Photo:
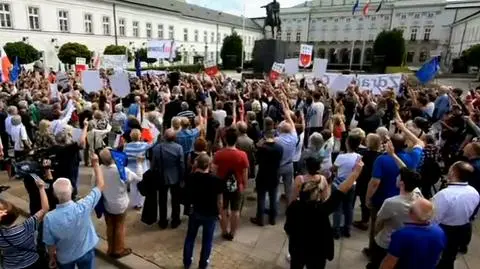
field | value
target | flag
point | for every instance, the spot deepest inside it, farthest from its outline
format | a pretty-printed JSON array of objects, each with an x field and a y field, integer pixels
[
  {"x": 428, "y": 70},
  {"x": 305, "y": 58},
  {"x": 355, "y": 6},
  {"x": 121, "y": 160},
  {"x": 138, "y": 68},
  {"x": 210, "y": 67},
  {"x": 15, "y": 71},
  {"x": 277, "y": 70},
  {"x": 365, "y": 8},
  {"x": 6, "y": 65},
  {"x": 379, "y": 6}
]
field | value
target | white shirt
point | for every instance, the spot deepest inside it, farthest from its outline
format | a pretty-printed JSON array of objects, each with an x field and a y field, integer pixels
[
  {"x": 429, "y": 108},
  {"x": 455, "y": 204},
  {"x": 298, "y": 150},
  {"x": 220, "y": 116},
  {"x": 18, "y": 133},
  {"x": 345, "y": 163},
  {"x": 327, "y": 160},
  {"x": 115, "y": 193},
  {"x": 315, "y": 115}
]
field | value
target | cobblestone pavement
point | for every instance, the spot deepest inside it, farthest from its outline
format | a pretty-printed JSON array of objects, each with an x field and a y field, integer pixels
[{"x": 253, "y": 248}]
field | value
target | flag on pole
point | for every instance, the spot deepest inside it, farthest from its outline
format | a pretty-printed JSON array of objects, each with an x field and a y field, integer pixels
[
  {"x": 366, "y": 8},
  {"x": 379, "y": 6},
  {"x": 305, "y": 57},
  {"x": 6, "y": 65},
  {"x": 277, "y": 70},
  {"x": 428, "y": 70},
  {"x": 15, "y": 71},
  {"x": 355, "y": 6},
  {"x": 210, "y": 67},
  {"x": 138, "y": 68},
  {"x": 121, "y": 160}
]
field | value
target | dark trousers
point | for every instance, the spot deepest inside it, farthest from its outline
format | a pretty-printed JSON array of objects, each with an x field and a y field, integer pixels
[
  {"x": 300, "y": 261},
  {"x": 377, "y": 254},
  {"x": 468, "y": 236},
  {"x": 371, "y": 233},
  {"x": 362, "y": 193},
  {"x": 208, "y": 230},
  {"x": 272, "y": 197},
  {"x": 455, "y": 237},
  {"x": 162, "y": 202},
  {"x": 346, "y": 209}
]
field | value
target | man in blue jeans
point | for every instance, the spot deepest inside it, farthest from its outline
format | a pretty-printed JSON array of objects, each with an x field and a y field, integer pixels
[{"x": 205, "y": 194}]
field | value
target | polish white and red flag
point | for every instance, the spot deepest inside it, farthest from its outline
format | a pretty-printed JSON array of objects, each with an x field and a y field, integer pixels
[
  {"x": 305, "y": 58},
  {"x": 277, "y": 71},
  {"x": 366, "y": 8},
  {"x": 210, "y": 67}
]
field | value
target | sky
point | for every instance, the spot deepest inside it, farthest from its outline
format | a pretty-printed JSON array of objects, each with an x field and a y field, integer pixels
[{"x": 252, "y": 7}]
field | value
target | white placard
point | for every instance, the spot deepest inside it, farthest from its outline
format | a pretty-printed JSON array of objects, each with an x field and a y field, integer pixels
[
  {"x": 340, "y": 83},
  {"x": 114, "y": 61},
  {"x": 291, "y": 66},
  {"x": 160, "y": 49},
  {"x": 62, "y": 79},
  {"x": 91, "y": 81},
  {"x": 76, "y": 134},
  {"x": 319, "y": 67},
  {"x": 380, "y": 82},
  {"x": 278, "y": 67},
  {"x": 120, "y": 84},
  {"x": 80, "y": 60},
  {"x": 209, "y": 63},
  {"x": 54, "y": 91}
]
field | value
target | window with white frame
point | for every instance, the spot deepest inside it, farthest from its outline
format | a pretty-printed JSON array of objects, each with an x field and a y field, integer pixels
[
  {"x": 106, "y": 25},
  {"x": 212, "y": 55},
  {"x": 63, "y": 21},
  {"x": 212, "y": 37},
  {"x": 121, "y": 27},
  {"x": 195, "y": 36},
  {"x": 135, "y": 29},
  {"x": 205, "y": 36},
  {"x": 426, "y": 34},
  {"x": 185, "y": 34},
  {"x": 298, "y": 37},
  {"x": 5, "y": 17},
  {"x": 218, "y": 38},
  {"x": 34, "y": 18},
  {"x": 417, "y": 16},
  {"x": 403, "y": 16},
  {"x": 289, "y": 36},
  {"x": 171, "y": 32},
  {"x": 160, "y": 31},
  {"x": 87, "y": 18},
  {"x": 148, "y": 29},
  {"x": 413, "y": 34}
]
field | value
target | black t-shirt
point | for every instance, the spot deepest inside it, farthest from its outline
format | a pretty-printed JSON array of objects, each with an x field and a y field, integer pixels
[
  {"x": 269, "y": 156},
  {"x": 67, "y": 160},
  {"x": 203, "y": 190}
]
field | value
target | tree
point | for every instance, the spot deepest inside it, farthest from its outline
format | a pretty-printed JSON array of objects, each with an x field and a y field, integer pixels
[
  {"x": 391, "y": 46},
  {"x": 25, "y": 52},
  {"x": 117, "y": 50},
  {"x": 70, "y": 51},
  {"x": 142, "y": 54},
  {"x": 231, "y": 52},
  {"x": 472, "y": 55}
]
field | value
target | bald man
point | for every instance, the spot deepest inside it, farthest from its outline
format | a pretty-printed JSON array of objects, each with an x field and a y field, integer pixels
[{"x": 419, "y": 244}]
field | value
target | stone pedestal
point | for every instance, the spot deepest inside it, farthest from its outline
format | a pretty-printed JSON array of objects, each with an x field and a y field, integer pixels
[{"x": 266, "y": 52}]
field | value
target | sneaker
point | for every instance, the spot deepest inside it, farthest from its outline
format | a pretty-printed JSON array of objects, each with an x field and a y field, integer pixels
[
  {"x": 288, "y": 257},
  {"x": 360, "y": 225},
  {"x": 346, "y": 233},
  {"x": 256, "y": 221},
  {"x": 336, "y": 235}
]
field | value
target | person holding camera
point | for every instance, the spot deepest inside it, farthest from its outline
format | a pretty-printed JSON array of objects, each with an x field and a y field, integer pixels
[{"x": 17, "y": 241}]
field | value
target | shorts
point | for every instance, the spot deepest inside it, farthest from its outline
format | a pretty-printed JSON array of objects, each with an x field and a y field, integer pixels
[{"x": 232, "y": 200}]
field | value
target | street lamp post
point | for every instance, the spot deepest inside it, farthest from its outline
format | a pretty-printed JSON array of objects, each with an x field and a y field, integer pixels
[{"x": 206, "y": 52}]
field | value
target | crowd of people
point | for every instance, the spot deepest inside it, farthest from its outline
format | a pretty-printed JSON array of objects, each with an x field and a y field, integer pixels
[{"x": 409, "y": 154}]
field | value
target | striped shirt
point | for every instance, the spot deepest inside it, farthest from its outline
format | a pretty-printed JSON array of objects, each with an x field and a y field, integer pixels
[
  {"x": 133, "y": 150},
  {"x": 186, "y": 113},
  {"x": 17, "y": 244}
]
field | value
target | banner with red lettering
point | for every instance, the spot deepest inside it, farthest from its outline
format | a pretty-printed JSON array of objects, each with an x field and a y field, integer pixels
[
  {"x": 210, "y": 67},
  {"x": 305, "y": 58},
  {"x": 277, "y": 70}
]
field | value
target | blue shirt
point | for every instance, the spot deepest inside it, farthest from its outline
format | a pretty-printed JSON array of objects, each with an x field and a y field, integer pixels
[
  {"x": 288, "y": 142},
  {"x": 417, "y": 246},
  {"x": 69, "y": 227},
  {"x": 442, "y": 106},
  {"x": 186, "y": 139},
  {"x": 386, "y": 170}
]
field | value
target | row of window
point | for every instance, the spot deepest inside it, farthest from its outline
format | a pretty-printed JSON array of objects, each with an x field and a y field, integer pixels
[
  {"x": 64, "y": 26},
  {"x": 403, "y": 16},
  {"x": 427, "y": 31}
]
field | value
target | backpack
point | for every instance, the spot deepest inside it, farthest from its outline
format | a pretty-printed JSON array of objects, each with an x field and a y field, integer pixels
[{"x": 230, "y": 182}]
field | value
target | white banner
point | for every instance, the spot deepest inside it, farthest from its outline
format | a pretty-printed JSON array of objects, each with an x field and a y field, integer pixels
[
  {"x": 379, "y": 82},
  {"x": 114, "y": 61},
  {"x": 160, "y": 49},
  {"x": 319, "y": 67},
  {"x": 80, "y": 60}
]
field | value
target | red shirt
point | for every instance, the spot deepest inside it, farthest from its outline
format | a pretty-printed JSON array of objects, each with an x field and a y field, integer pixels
[{"x": 231, "y": 160}]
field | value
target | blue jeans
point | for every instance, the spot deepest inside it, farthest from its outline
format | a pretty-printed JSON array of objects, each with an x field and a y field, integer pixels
[
  {"x": 285, "y": 172},
  {"x": 87, "y": 261},
  {"x": 272, "y": 196},
  {"x": 208, "y": 224},
  {"x": 346, "y": 209}
]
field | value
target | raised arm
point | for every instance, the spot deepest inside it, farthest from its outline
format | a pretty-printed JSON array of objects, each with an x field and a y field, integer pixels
[
  {"x": 99, "y": 182},
  {"x": 409, "y": 135},
  {"x": 83, "y": 136},
  {"x": 391, "y": 151}
]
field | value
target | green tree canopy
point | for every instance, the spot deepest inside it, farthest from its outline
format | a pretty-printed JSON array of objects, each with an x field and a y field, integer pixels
[
  {"x": 70, "y": 51},
  {"x": 25, "y": 52},
  {"x": 231, "y": 52},
  {"x": 117, "y": 50},
  {"x": 472, "y": 55},
  {"x": 390, "y": 45},
  {"x": 142, "y": 53}
]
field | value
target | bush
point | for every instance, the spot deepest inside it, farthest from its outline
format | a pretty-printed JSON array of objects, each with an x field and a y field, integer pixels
[
  {"x": 142, "y": 54},
  {"x": 231, "y": 52},
  {"x": 192, "y": 68},
  {"x": 118, "y": 50},
  {"x": 70, "y": 51},
  {"x": 25, "y": 52},
  {"x": 472, "y": 55},
  {"x": 390, "y": 45}
]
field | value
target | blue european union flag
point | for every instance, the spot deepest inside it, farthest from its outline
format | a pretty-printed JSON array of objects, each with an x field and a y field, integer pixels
[
  {"x": 121, "y": 161},
  {"x": 355, "y": 6},
  {"x": 15, "y": 72},
  {"x": 138, "y": 68},
  {"x": 428, "y": 70}
]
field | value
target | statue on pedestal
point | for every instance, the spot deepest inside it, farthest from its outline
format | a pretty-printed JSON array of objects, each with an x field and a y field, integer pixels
[{"x": 273, "y": 18}]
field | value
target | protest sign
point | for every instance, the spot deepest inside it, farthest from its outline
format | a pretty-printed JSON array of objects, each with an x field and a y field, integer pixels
[
  {"x": 120, "y": 84},
  {"x": 54, "y": 91},
  {"x": 160, "y": 49},
  {"x": 379, "y": 82},
  {"x": 80, "y": 60},
  {"x": 91, "y": 81},
  {"x": 305, "y": 57},
  {"x": 210, "y": 67},
  {"x": 319, "y": 67},
  {"x": 80, "y": 68},
  {"x": 291, "y": 66},
  {"x": 277, "y": 70},
  {"x": 340, "y": 83},
  {"x": 62, "y": 79},
  {"x": 114, "y": 61}
]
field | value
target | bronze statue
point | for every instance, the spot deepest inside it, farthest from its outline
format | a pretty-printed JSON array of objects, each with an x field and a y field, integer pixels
[{"x": 273, "y": 17}]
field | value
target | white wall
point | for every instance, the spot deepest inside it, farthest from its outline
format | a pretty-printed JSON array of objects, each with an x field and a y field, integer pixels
[{"x": 465, "y": 35}]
